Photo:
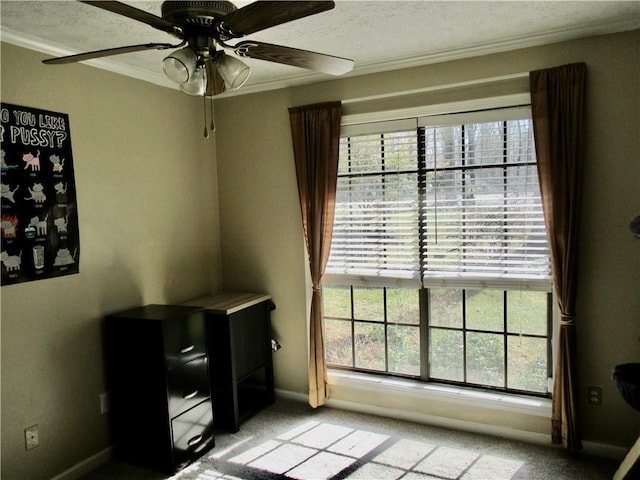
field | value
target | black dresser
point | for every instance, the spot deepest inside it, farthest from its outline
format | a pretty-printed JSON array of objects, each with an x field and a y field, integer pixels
[{"x": 157, "y": 372}]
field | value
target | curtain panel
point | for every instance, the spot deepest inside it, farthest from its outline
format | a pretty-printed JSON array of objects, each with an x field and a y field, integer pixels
[
  {"x": 557, "y": 105},
  {"x": 315, "y": 131}
]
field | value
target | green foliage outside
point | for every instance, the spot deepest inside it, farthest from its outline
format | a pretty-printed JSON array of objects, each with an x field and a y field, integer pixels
[{"x": 526, "y": 366}]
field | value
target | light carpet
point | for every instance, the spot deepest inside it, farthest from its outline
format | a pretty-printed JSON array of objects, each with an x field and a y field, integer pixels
[{"x": 290, "y": 440}]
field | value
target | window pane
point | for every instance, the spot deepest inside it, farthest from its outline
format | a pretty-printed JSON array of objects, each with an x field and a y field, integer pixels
[
  {"x": 369, "y": 346},
  {"x": 485, "y": 310},
  {"x": 360, "y": 154},
  {"x": 338, "y": 342},
  {"x": 376, "y": 220},
  {"x": 403, "y": 306},
  {"x": 336, "y": 301},
  {"x": 483, "y": 214},
  {"x": 527, "y": 312},
  {"x": 446, "y": 354},
  {"x": 400, "y": 151},
  {"x": 443, "y": 146},
  {"x": 482, "y": 196},
  {"x": 445, "y": 307},
  {"x": 483, "y": 143},
  {"x": 485, "y": 359},
  {"x": 363, "y": 153},
  {"x": 404, "y": 349},
  {"x": 368, "y": 303},
  {"x": 527, "y": 364},
  {"x": 376, "y": 226},
  {"x": 528, "y": 247},
  {"x": 520, "y": 143}
]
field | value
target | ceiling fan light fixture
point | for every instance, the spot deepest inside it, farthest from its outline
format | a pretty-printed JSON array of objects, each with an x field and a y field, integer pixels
[
  {"x": 199, "y": 69},
  {"x": 197, "y": 84},
  {"x": 234, "y": 72},
  {"x": 180, "y": 66}
]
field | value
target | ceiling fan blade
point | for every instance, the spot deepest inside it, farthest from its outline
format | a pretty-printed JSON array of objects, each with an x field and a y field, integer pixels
[
  {"x": 108, "y": 52},
  {"x": 265, "y": 14},
  {"x": 295, "y": 57},
  {"x": 137, "y": 14}
]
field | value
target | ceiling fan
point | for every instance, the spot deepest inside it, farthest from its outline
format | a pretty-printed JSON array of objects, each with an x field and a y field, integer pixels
[{"x": 198, "y": 66}]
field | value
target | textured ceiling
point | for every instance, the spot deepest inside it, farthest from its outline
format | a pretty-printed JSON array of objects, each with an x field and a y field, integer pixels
[{"x": 378, "y": 35}]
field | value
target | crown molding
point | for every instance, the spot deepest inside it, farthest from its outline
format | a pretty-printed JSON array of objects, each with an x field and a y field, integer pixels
[
  {"x": 505, "y": 45},
  {"x": 514, "y": 43},
  {"x": 56, "y": 50}
]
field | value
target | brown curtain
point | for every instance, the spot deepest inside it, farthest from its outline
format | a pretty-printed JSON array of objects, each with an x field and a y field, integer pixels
[
  {"x": 315, "y": 130},
  {"x": 557, "y": 103}
]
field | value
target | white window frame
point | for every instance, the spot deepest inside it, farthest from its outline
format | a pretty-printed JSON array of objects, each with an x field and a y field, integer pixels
[{"x": 422, "y": 116}]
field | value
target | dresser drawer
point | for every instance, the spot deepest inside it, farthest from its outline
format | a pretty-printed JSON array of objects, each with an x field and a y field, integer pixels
[
  {"x": 188, "y": 385},
  {"x": 192, "y": 433},
  {"x": 184, "y": 339}
]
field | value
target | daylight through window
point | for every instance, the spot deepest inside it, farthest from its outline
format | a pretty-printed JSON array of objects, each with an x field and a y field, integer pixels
[{"x": 439, "y": 267}]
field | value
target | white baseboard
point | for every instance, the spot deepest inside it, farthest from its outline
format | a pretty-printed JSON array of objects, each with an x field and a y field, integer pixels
[
  {"x": 86, "y": 466},
  {"x": 590, "y": 448}
]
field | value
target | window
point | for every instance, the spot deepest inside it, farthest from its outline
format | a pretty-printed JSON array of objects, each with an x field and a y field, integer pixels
[{"x": 439, "y": 267}]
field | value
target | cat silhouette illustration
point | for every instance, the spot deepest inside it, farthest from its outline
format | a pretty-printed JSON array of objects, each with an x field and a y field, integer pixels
[
  {"x": 11, "y": 262},
  {"x": 37, "y": 193},
  {"x": 31, "y": 161},
  {"x": 58, "y": 164}
]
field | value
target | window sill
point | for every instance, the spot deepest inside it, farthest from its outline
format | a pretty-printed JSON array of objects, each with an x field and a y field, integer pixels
[{"x": 521, "y": 404}]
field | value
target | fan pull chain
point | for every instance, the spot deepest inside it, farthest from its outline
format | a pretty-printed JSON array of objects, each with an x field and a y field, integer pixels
[
  {"x": 204, "y": 105},
  {"x": 212, "y": 127}
]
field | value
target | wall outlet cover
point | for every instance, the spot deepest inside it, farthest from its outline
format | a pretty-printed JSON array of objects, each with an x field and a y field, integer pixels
[
  {"x": 594, "y": 395},
  {"x": 31, "y": 438}
]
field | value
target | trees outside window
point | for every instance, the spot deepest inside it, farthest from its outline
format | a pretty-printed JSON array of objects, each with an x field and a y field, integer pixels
[{"x": 439, "y": 268}]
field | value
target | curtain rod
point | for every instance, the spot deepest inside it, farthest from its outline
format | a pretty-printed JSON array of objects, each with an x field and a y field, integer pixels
[{"x": 435, "y": 88}]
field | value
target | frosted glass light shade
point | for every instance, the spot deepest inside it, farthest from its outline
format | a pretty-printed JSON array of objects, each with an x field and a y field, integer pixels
[
  {"x": 197, "y": 85},
  {"x": 180, "y": 65},
  {"x": 233, "y": 71}
]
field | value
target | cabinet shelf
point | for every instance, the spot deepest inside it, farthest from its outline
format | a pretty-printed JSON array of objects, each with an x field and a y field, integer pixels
[{"x": 241, "y": 369}]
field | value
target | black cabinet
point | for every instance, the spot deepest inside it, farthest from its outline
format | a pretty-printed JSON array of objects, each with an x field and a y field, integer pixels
[
  {"x": 241, "y": 368},
  {"x": 157, "y": 371}
]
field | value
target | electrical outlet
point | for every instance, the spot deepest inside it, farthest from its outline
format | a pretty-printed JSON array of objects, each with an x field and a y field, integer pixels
[
  {"x": 594, "y": 395},
  {"x": 31, "y": 439},
  {"x": 104, "y": 403}
]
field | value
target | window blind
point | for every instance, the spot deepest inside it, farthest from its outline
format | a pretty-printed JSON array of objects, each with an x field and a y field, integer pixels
[
  {"x": 376, "y": 227},
  {"x": 482, "y": 211},
  {"x": 451, "y": 199}
]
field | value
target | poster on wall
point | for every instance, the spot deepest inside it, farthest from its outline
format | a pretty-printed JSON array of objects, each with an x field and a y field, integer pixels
[{"x": 39, "y": 223}]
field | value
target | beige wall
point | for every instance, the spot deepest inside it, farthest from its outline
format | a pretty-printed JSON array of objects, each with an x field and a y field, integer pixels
[
  {"x": 147, "y": 206},
  {"x": 262, "y": 238}
]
